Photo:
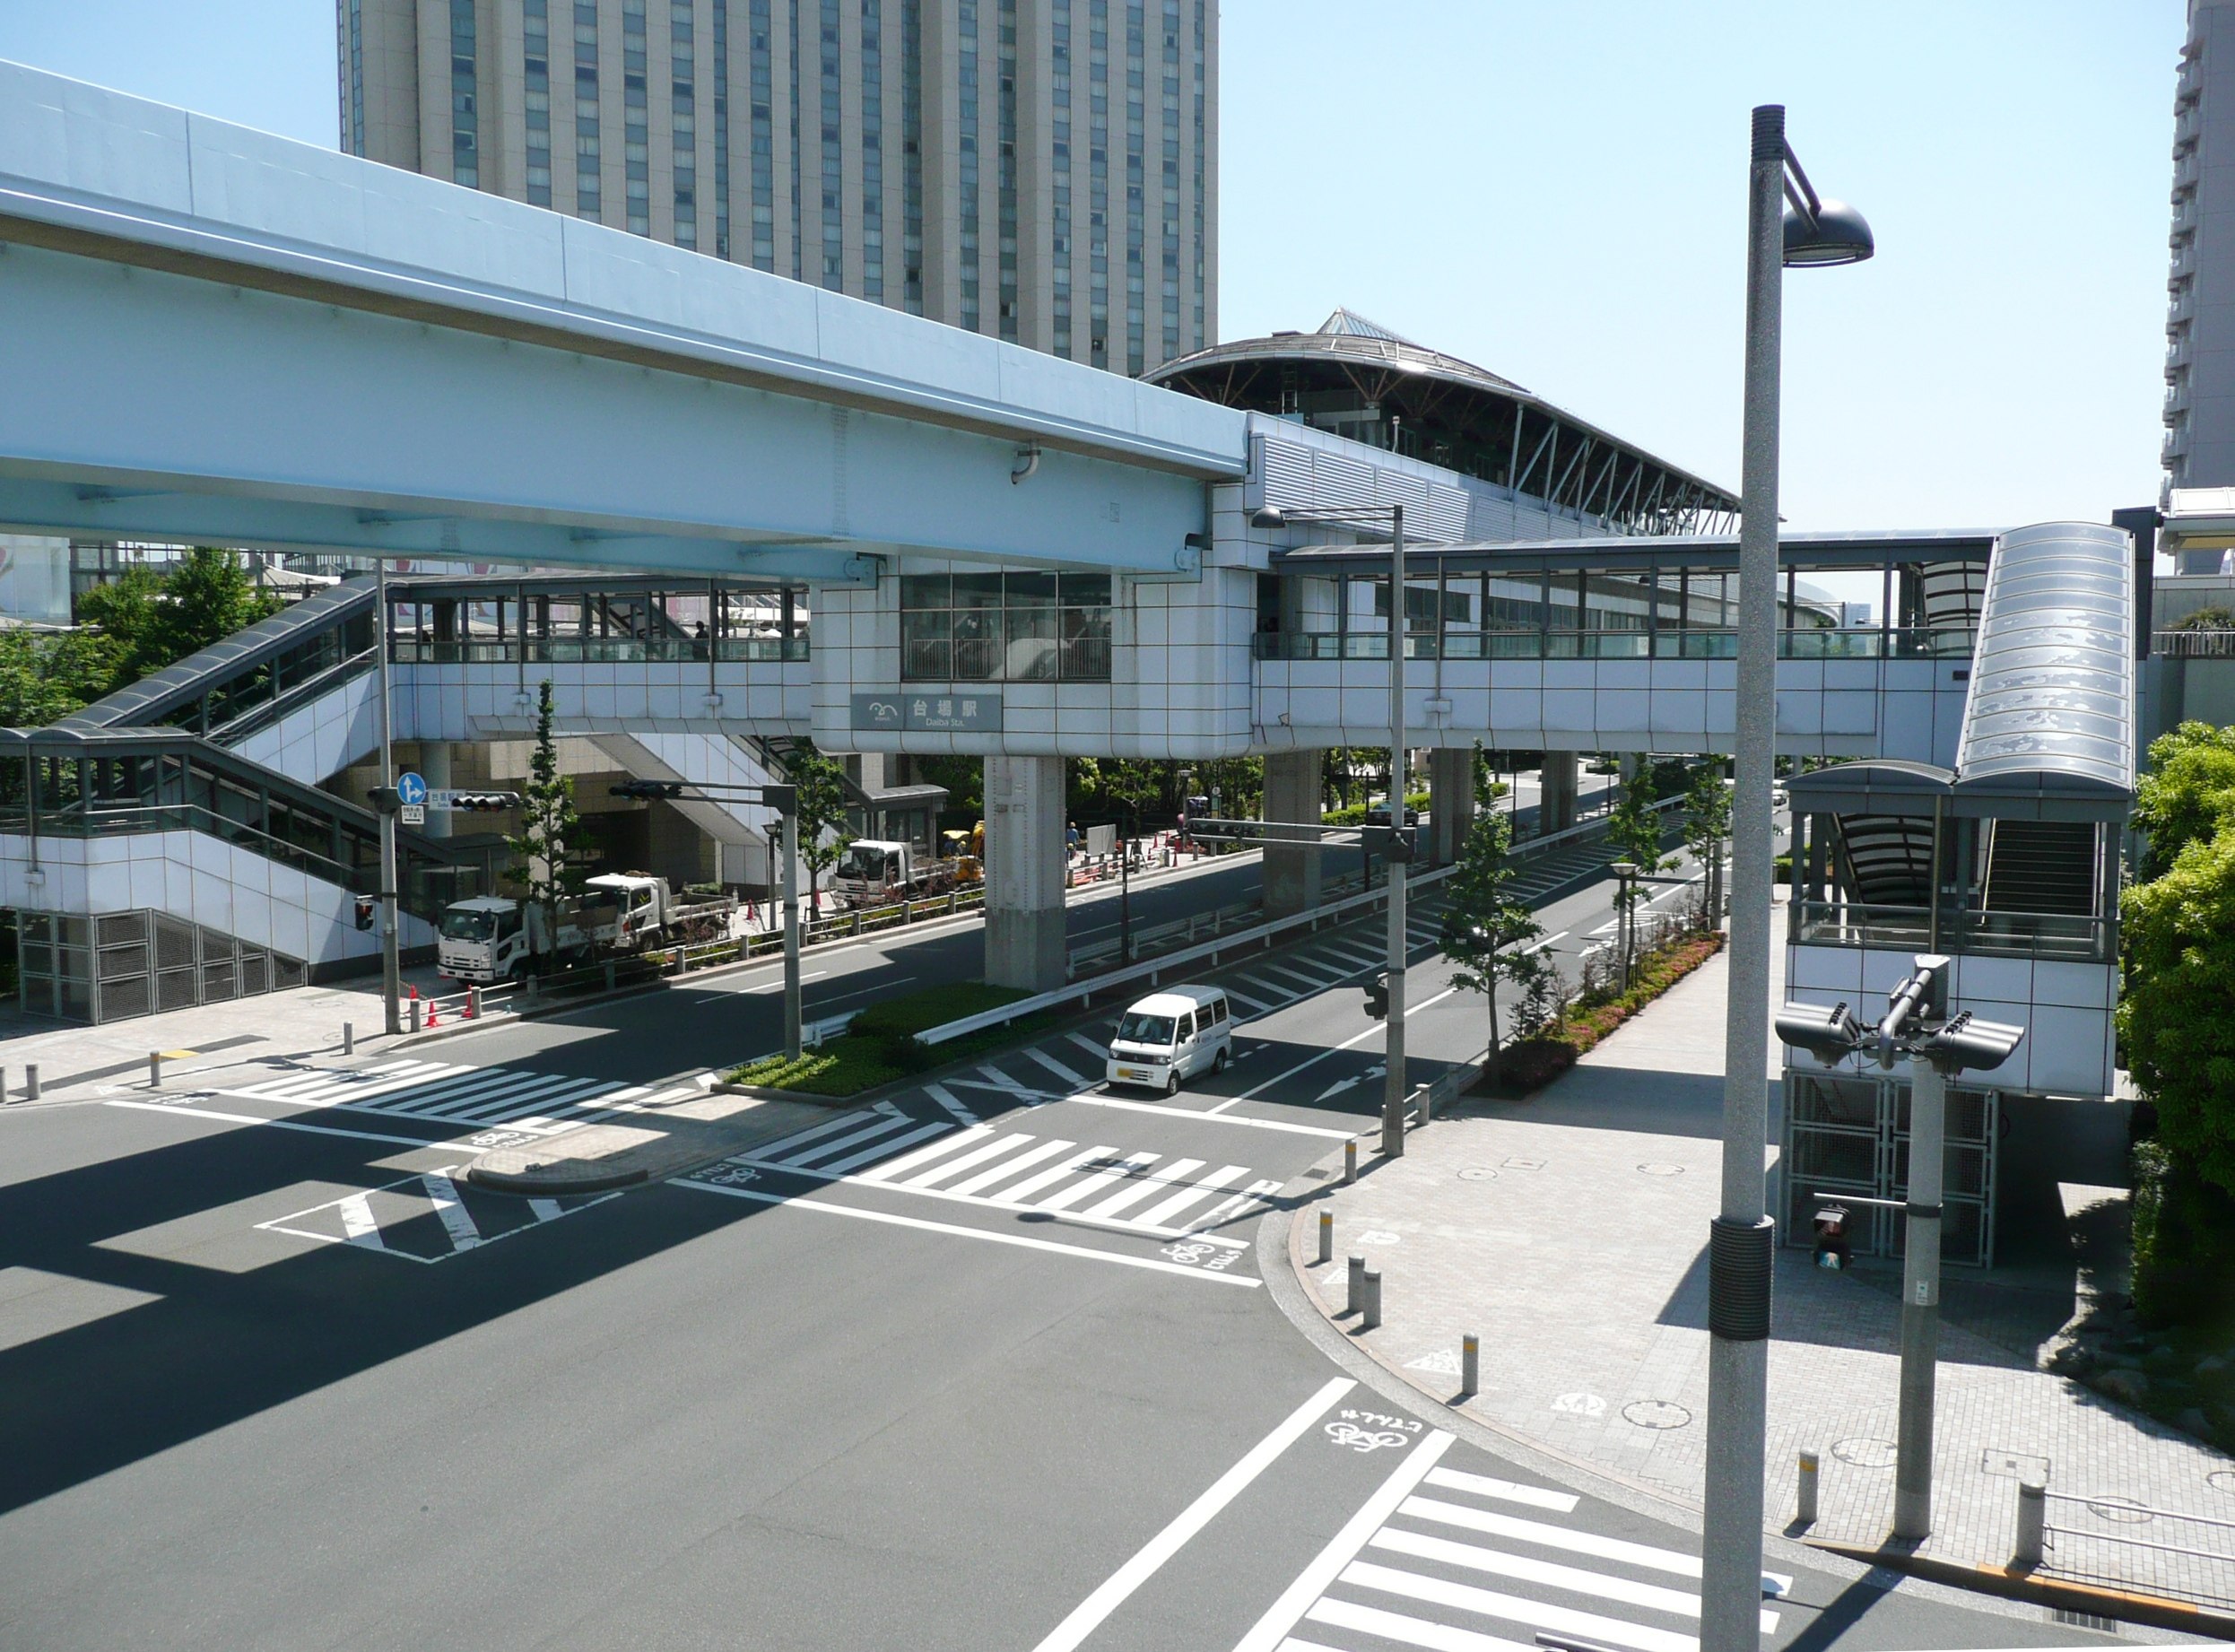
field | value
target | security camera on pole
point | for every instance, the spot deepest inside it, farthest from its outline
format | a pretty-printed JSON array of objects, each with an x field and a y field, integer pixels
[{"x": 1917, "y": 1027}]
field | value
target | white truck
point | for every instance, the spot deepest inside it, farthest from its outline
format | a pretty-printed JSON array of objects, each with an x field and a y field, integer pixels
[
  {"x": 875, "y": 872},
  {"x": 494, "y": 938}
]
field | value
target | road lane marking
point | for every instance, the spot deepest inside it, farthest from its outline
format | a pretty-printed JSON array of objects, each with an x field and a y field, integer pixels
[
  {"x": 877, "y": 1150},
  {"x": 1505, "y": 1491},
  {"x": 357, "y": 1223},
  {"x": 1075, "y": 1080},
  {"x": 1313, "y": 1581},
  {"x": 961, "y": 1162},
  {"x": 1513, "y": 1608},
  {"x": 920, "y": 1223},
  {"x": 1091, "y": 1613},
  {"x": 1101, "y": 1052},
  {"x": 457, "y": 1220},
  {"x": 1160, "y": 1215},
  {"x": 1124, "y": 1169},
  {"x": 946, "y": 1098},
  {"x": 1143, "y": 1188},
  {"x": 1008, "y": 1168},
  {"x": 288, "y": 1124}
]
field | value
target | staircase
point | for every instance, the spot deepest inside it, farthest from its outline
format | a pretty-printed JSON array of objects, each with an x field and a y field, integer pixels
[{"x": 2041, "y": 866}]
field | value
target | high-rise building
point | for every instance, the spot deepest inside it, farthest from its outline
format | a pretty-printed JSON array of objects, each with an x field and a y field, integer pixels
[
  {"x": 1039, "y": 170},
  {"x": 2200, "y": 319}
]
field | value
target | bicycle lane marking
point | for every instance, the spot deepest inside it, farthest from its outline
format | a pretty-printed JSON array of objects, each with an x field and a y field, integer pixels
[{"x": 1091, "y": 1613}]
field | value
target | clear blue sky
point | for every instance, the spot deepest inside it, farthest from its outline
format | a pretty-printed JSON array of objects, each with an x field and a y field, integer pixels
[{"x": 1558, "y": 192}]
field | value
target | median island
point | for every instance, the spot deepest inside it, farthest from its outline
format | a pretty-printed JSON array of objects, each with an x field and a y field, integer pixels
[{"x": 879, "y": 1045}]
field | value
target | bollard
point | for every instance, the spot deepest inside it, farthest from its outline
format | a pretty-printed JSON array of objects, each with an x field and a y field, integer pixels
[
  {"x": 1326, "y": 1235},
  {"x": 30, "y": 1081},
  {"x": 1371, "y": 1320},
  {"x": 2032, "y": 1525},
  {"x": 609, "y": 975},
  {"x": 414, "y": 1011},
  {"x": 1425, "y": 1099},
  {"x": 1357, "y": 1285},
  {"x": 349, "y": 1038},
  {"x": 1805, "y": 1512},
  {"x": 155, "y": 1069},
  {"x": 1470, "y": 1363},
  {"x": 1350, "y": 1163},
  {"x": 473, "y": 1004}
]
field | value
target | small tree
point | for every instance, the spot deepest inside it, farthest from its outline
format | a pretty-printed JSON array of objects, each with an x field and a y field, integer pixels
[
  {"x": 1485, "y": 928},
  {"x": 1633, "y": 826},
  {"x": 2189, "y": 793},
  {"x": 823, "y": 834},
  {"x": 1707, "y": 828},
  {"x": 2179, "y": 1040},
  {"x": 546, "y": 854}
]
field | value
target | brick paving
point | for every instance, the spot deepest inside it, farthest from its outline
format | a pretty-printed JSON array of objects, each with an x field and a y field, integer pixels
[{"x": 1568, "y": 1233}]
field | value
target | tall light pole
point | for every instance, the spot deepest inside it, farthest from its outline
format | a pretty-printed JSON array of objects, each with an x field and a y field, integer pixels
[
  {"x": 1740, "y": 1240},
  {"x": 1393, "y": 1085},
  {"x": 391, "y": 963}
]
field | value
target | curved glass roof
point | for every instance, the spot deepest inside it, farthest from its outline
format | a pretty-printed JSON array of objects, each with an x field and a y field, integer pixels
[{"x": 2051, "y": 706}]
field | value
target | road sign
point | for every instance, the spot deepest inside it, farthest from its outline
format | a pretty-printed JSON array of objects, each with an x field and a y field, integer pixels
[
  {"x": 411, "y": 789},
  {"x": 413, "y": 814}
]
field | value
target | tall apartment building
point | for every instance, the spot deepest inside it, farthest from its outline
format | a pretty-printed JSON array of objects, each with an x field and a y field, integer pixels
[
  {"x": 2200, "y": 319},
  {"x": 1039, "y": 170}
]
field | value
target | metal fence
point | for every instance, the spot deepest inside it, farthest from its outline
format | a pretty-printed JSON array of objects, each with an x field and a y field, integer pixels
[
  {"x": 1850, "y": 1133},
  {"x": 121, "y": 964}
]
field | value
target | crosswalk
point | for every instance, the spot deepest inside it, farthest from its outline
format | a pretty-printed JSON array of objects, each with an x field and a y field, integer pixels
[
  {"x": 533, "y": 1104},
  {"x": 430, "y": 1217},
  {"x": 1443, "y": 1559},
  {"x": 1095, "y": 1184}
]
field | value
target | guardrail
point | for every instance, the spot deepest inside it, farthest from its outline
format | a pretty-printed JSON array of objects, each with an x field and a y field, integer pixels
[
  {"x": 1150, "y": 968},
  {"x": 2036, "y": 1550}
]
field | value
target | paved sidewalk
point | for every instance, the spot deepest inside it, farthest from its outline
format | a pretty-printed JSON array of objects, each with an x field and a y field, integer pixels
[{"x": 1568, "y": 1233}]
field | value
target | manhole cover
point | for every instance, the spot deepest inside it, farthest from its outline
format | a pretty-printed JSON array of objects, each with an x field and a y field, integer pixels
[
  {"x": 2221, "y": 1480},
  {"x": 1478, "y": 1173},
  {"x": 1657, "y": 1414},
  {"x": 1864, "y": 1452},
  {"x": 1660, "y": 1169},
  {"x": 2121, "y": 1510},
  {"x": 1525, "y": 1164}
]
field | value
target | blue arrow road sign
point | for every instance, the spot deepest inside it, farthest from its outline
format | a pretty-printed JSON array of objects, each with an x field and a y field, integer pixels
[{"x": 410, "y": 790}]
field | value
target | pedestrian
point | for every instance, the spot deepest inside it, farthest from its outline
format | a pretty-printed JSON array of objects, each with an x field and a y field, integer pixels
[{"x": 1071, "y": 838}]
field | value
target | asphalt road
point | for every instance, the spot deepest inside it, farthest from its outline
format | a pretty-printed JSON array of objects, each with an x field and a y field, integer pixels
[{"x": 274, "y": 1380}]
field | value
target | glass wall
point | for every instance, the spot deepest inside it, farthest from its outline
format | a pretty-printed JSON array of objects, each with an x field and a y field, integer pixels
[{"x": 1005, "y": 628}]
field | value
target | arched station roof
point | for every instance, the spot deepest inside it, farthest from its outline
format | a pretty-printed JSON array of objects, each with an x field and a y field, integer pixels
[{"x": 1360, "y": 379}]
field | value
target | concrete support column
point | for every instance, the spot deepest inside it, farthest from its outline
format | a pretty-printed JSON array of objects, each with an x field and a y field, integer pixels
[
  {"x": 1556, "y": 809},
  {"x": 1024, "y": 867},
  {"x": 1450, "y": 802},
  {"x": 1292, "y": 793},
  {"x": 434, "y": 759}
]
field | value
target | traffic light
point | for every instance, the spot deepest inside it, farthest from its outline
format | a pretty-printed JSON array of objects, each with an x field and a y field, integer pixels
[
  {"x": 783, "y": 799},
  {"x": 365, "y": 908},
  {"x": 483, "y": 803},
  {"x": 383, "y": 799},
  {"x": 649, "y": 791},
  {"x": 1833, "y": 1252},
  {"x": 1378, "y": 996}
]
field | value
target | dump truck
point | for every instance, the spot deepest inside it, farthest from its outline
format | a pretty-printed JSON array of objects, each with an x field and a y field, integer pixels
[
  {"x": 494, "y": 938},
  {"x": 875, "y": 872}
]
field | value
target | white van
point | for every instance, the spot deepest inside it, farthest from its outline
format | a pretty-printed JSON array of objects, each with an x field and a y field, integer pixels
[{"x": 1170, "y": 1036}]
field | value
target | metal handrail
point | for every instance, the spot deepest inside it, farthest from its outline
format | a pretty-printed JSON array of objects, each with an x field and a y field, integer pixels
[{"x": 1082, "y": 992}]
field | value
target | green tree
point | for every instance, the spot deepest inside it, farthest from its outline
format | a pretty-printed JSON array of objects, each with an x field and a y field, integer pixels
[
  {"x": 546, "y": 855},
  {"x": 2173, "y": 1021},
  {"x": 2189, "y": 793},
  {"x": 1707, "y": 829},
  {"x": 2212, "y": 619},
  {"x": 1485, "y": 930},
  {"x": 156, "y": 621},
  {"x": 1633, "y": 826},
  {"x": 45, "y": 676},
  {"x": 820, "y": 784}
]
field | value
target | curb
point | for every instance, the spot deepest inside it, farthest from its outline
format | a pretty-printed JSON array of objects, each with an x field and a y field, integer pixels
[
  {"x": 2004, "y": 1582},
  {"x": 546, "y": 1188},
  {"x": 2011, "y": 1583}
]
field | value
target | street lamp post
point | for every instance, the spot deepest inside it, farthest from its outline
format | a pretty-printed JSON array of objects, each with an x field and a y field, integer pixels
[
  {"x": 1817, "y": 231},
  {"x": 391, "y": 956},
  {"x": 1393, "y": 1085}
]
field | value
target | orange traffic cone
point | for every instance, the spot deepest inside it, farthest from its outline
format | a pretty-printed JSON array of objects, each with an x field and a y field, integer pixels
[{"x": 434, "y": 1016}]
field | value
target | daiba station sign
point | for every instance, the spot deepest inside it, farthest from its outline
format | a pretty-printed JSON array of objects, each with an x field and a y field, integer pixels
[{"x": 930, "y": 714}]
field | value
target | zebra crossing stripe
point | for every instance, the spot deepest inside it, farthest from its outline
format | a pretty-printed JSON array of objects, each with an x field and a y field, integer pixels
[
  {"x": 1255, "y": 1006},
  {"x": 1514, "y": 1608},
  {"x": 329, "y": 1089},
  {"x": 1522, "y": 1569},
  {"x": 1049, "y": 1177},
  {"x": 1311, "y": 982},
  {"x": 1147, "y": 1186},
  {"x": 514, "y": 1105},
  {"x": 1492, "y": 1524},
  {"x": 1160, "y": 1215},
  {"x": 1126, "y": 1167},
  {"x": 1253, "y": 1194},
  {"x": 845, "y": 1143},
  {"x": 464, "y": 1085},
  {"x": 1506, "y": 1491},
  {"x": 999, "y": 1080},
  {"x": 358, "y": 1225},
  {"x": 987, "y": 1178},
  {"x": 775, "y": 1150},
  {"x": 1101, "y": 1052},
  {"x": 947, "y": 1098},
  {"x": 1059, "y": 1069},
  {"x": 1410, "y": 1631},
  {"x": 938, "y": 1127},
  {"x": 902, "y": 1167},
  {"x": 962, "y": 1162}
]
